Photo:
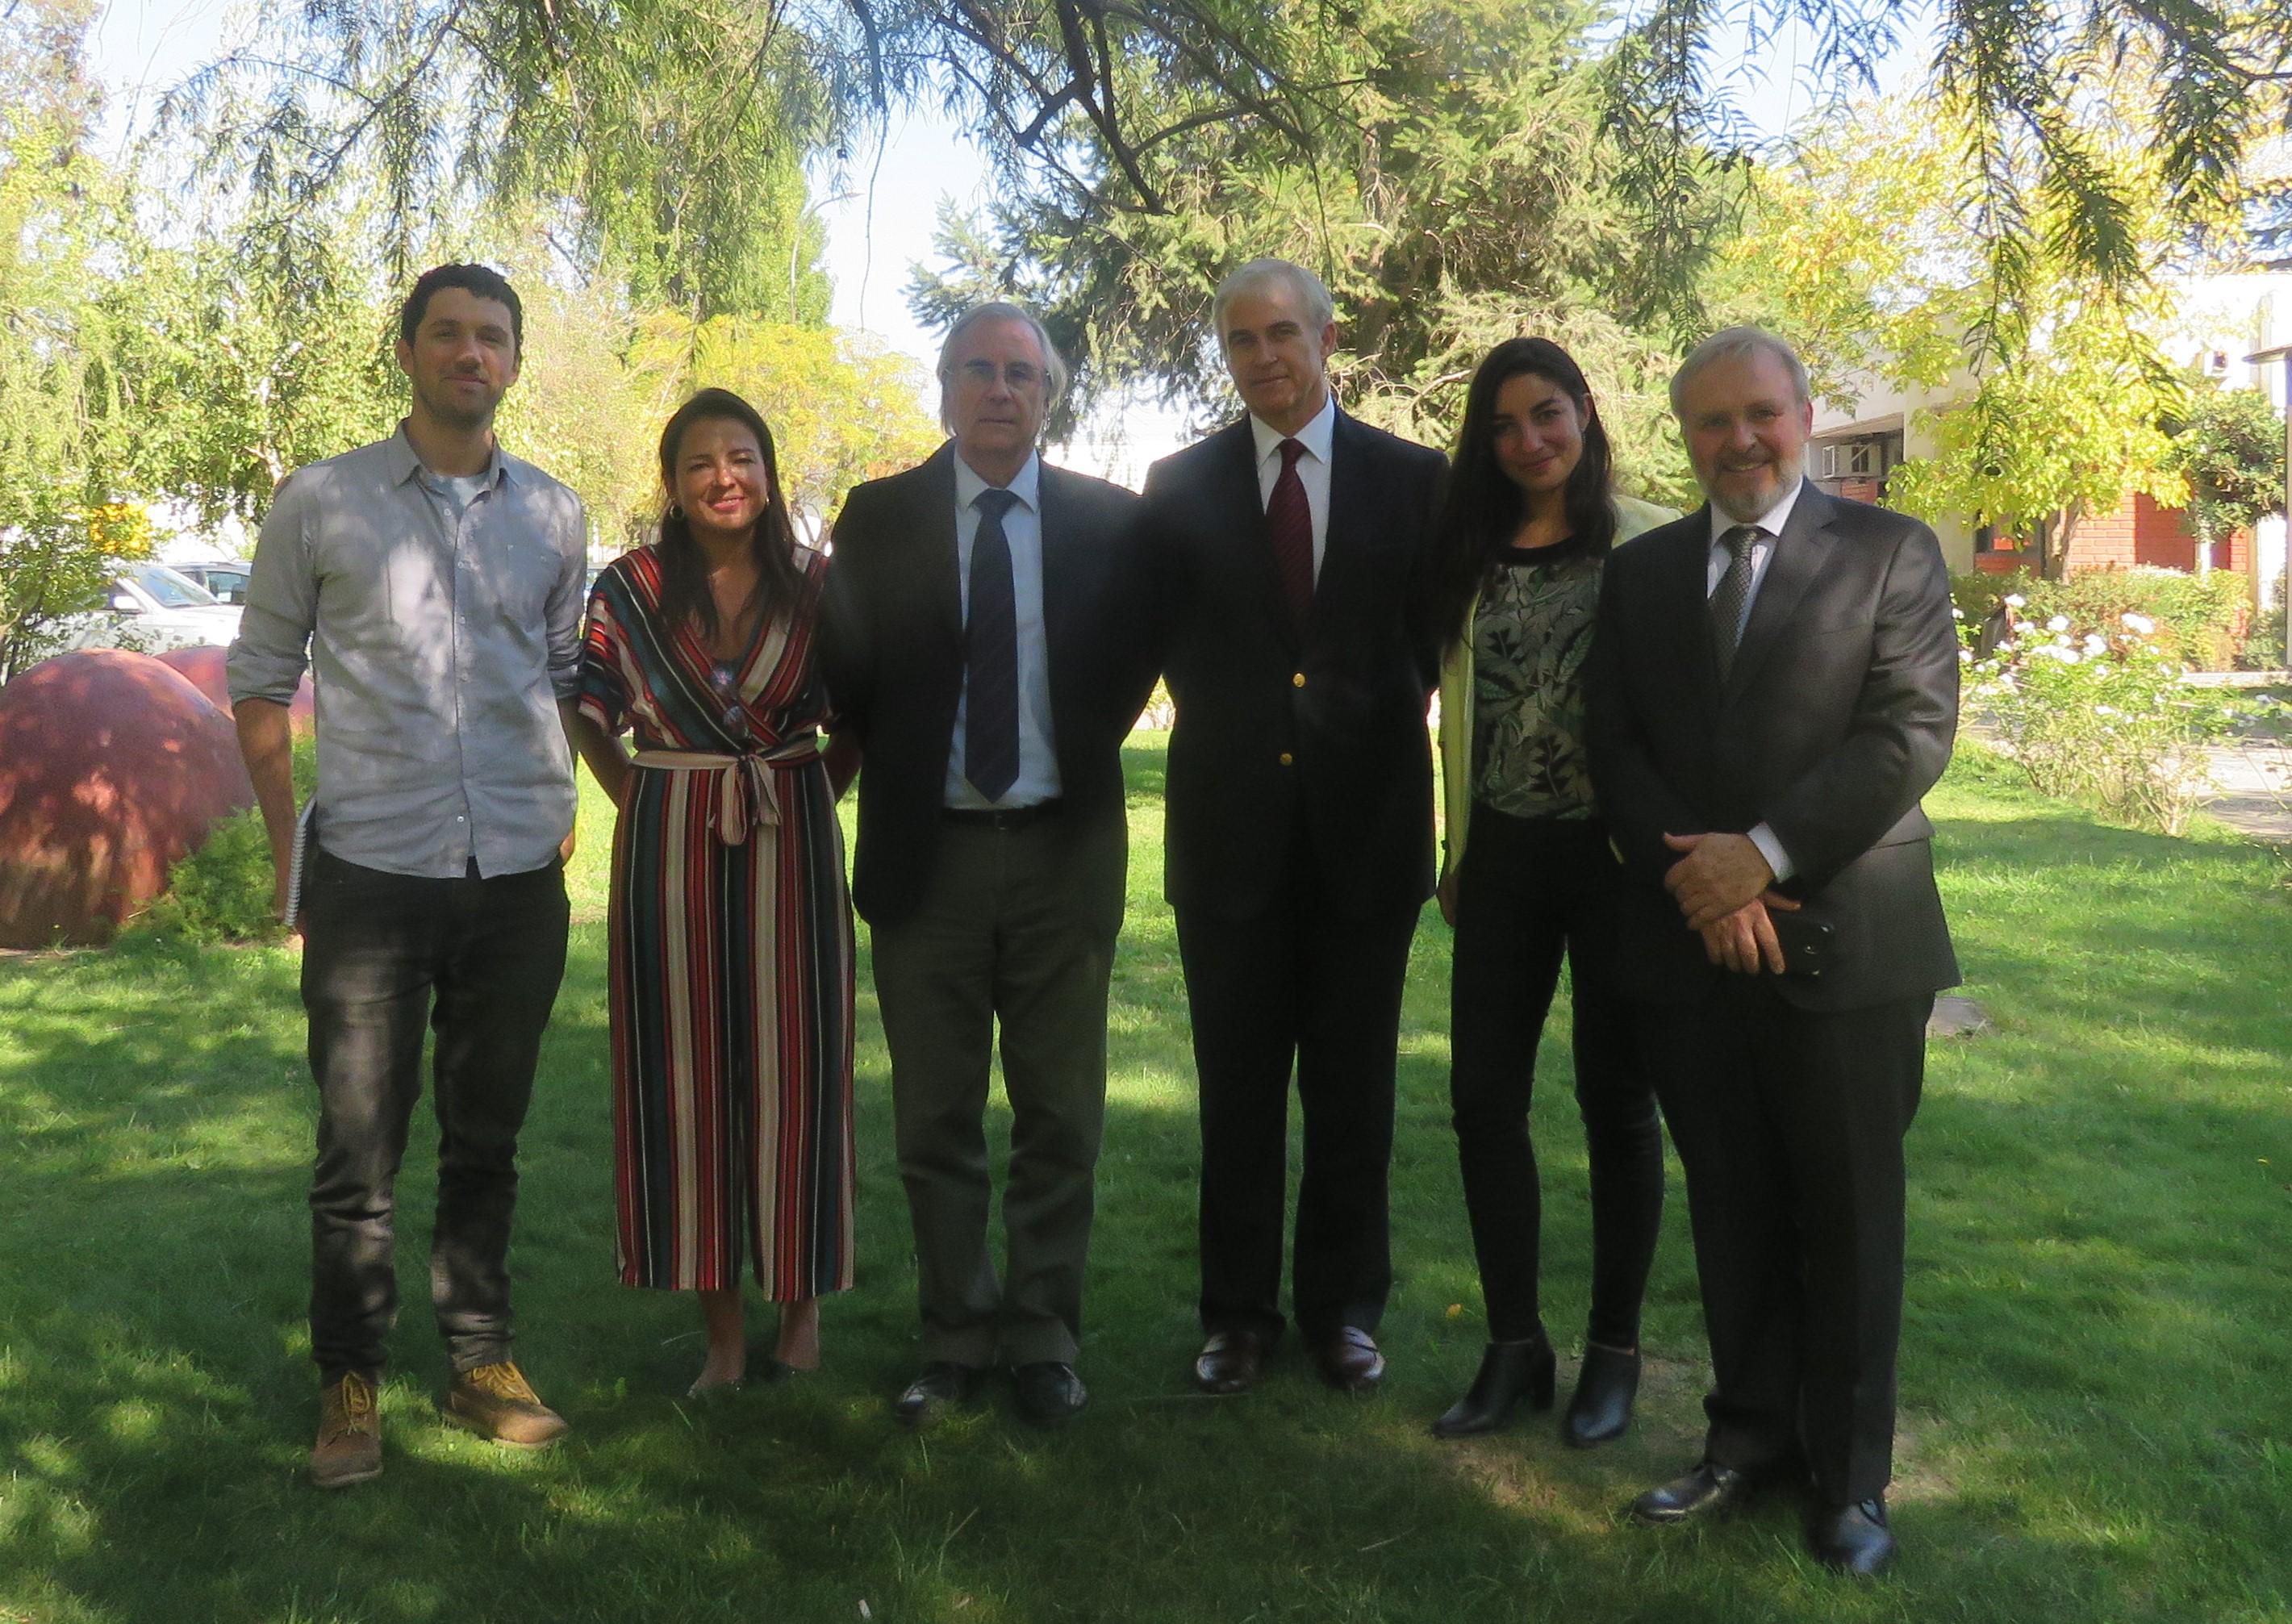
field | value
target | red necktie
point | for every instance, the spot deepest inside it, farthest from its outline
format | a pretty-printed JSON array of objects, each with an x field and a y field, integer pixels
[{"x": 1291, "y": 520}]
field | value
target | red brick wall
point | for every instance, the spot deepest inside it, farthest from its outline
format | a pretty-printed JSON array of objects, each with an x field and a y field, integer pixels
[
  {"x": 2141, "y": 532},
  {"x": 2105, "y": 541}
]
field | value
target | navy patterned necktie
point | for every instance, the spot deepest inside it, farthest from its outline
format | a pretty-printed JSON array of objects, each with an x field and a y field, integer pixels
[
  {"x": 1733, "y": 591},
  {"x": 990, "y": 655},
  {"x": 1290, "y": 518}
]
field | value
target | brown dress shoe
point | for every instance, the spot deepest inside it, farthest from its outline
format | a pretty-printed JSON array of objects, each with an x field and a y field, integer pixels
[
  {"x": 349, "y": 1450},
  {"x": 1231, "y": 1361},
  {"x": 1350, "y": 1359},
  {"x": 496, "y": 1402}
]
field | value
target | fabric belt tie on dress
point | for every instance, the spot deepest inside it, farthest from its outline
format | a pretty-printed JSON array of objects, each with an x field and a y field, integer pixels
[{"x": 745, "y": 794}]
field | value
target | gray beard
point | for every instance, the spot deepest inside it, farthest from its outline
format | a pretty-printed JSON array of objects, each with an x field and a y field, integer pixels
[{"x": 1788, "y": 477}]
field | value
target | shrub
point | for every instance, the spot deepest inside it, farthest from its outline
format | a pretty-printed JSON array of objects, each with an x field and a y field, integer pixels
[
  {"x": 2104, "y": 718},
  {"x": 222, "y": 892},
  {"x": 2199, "y": 619},
  {"x": 2264, "y": 646}
]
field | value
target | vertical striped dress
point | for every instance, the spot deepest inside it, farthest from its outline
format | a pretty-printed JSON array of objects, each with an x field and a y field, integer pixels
[{"x": 730, "y": 953}]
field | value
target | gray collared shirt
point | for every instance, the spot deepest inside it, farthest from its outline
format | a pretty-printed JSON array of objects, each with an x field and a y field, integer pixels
[{"x": 441, "y": 637}]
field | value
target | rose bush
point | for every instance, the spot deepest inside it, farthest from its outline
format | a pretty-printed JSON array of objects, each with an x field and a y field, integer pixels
[{"x": 2102, "y": 717}]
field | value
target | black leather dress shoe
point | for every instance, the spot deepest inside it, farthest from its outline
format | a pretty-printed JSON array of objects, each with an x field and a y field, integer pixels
[
  {"x": 1231, "y": 1361},
  {"x": 1852, "y": 1539},
  {"x": 1049, "y": 1392},
  {"x": 1512, "y": 1373},
  {"x": 936, "y": 1388},
  {"x": 1707, "y": 1489},
  {"x": 1350, "y": 1359},
  {"x": 1601, "y": 1406}
]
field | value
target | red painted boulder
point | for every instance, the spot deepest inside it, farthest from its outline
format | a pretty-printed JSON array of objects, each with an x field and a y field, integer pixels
[
  {"x": 205, "y": 667},
  {"x": 112, "y": 766}
]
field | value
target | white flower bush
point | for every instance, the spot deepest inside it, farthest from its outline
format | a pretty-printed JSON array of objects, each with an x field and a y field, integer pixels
[{"x": 2103, "y": 718}]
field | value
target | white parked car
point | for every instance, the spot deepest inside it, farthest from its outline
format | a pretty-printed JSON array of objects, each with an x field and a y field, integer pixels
[
  {"x": 225, "y": 578},
  {"x": 153, "y": 609}
]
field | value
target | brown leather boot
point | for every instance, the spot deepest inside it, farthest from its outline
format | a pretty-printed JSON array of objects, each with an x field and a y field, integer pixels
[
  {"x": 349, "y": 1450},
  {"x": 496, "y": 1402}
]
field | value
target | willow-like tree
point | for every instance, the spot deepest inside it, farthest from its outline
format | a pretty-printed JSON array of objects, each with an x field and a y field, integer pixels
[{"x": 672, "y": 128}]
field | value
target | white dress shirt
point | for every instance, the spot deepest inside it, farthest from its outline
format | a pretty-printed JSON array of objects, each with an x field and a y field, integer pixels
[
  {"x": 1312, "y": 468},
  {"x": 1769, "y": 526},
  {"x": 1022, "y": 528}
]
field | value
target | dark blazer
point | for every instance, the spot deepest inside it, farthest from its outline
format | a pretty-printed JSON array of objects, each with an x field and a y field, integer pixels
[
  {"x": 891, "y": 651},
  {"x": 1274, "y": 719},
  {"x": 1837, "y": 715}
]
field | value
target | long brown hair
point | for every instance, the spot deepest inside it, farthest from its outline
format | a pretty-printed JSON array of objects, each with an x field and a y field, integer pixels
[{"x": 781, "y": 583}]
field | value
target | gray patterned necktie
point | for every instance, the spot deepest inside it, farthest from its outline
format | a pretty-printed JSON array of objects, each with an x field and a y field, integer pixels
[{"x": 1733, "y": 591}]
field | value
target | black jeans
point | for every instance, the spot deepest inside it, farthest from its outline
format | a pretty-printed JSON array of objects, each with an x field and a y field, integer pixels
[
  {"x": 479, "y": 961},
  {"x": 1530, "y": 889}
]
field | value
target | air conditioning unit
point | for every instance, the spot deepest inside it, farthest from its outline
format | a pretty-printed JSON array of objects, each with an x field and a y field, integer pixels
[{"x": 1847, "y": 459}]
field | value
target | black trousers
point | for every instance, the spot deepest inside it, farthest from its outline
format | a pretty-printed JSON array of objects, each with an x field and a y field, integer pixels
[
  {"x": 1789, "y": 1123},
  {"x": 1528, "y": 891},
  {"x": 384, "y": 955},
  {"x": 1301, "y": 982}
]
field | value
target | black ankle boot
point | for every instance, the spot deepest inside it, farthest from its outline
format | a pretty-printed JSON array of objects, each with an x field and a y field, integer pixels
[
  {"x": 1602, "y": 1407},
  {"x": 1511, "y": 1373}
]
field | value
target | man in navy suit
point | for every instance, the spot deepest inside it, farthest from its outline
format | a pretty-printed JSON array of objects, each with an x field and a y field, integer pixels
[
  {"x": 1774, "y": 687},
  {"x": 1273, "y": 565},
  {"x": 967, "y": 613}
]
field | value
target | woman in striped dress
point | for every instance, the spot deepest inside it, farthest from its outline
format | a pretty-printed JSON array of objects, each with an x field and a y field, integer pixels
[{"x": 731, "y": 931}]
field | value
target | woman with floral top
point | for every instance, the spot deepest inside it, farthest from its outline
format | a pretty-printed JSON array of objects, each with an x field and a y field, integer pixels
[{"x": 1526, "y": 523}]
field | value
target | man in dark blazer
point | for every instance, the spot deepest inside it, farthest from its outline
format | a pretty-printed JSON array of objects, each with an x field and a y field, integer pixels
[
  {"x": 1774, "y": 686},
  {"x": 1273, "y": 562},
  {"x": 967, "y": 620}
]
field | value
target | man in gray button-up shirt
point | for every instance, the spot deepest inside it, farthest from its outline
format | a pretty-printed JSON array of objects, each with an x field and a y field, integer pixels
[{"x": 435, "y": 584}]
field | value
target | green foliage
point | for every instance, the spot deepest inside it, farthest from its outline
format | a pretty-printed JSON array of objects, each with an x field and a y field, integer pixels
[
  {"x": 669, "y": 130},
  {"x": 842, "y": 408},
  {"x": 2102, "y": 717},
  {"x": 2197, "y": 619},
  {"x": 2229, "y": 448},
  {"x": 1467, "y": 194},
  {"x": 220, "y": 894},
  {"x": 2264, "y": 649},
  {"x": 665, "y": 139},
  {"x": 248, "y": 357},
  {"x": 2066, "y": 417},
  {"x": 64, "y": 424}
]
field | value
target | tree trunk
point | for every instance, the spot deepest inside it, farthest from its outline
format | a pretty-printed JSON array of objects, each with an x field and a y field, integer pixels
[{"x": 2056, "y": 561}]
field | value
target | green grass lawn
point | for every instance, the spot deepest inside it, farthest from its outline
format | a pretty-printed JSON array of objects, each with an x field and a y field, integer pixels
[{"x": 2097, "y": 1392}]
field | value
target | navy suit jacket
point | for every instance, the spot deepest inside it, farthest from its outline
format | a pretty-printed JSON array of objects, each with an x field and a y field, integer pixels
[{"x": 1282, "y": 727}]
